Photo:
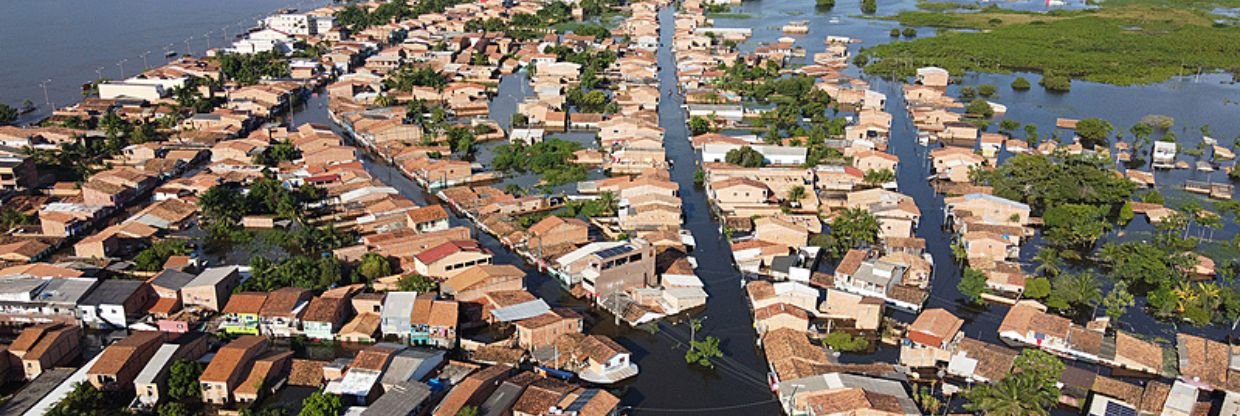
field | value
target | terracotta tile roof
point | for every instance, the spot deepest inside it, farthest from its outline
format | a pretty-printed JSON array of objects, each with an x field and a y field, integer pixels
[
  {"x": 907, "y": 294},
  {"x": 791, "y": 354},
  {"x": 245, "y": 303},
  {"x": 770, "y": 311},
  {"x": 601, "y": 404},
  {"x": 993, "y": 361},
  {"x": 30, "y": 336},
  {"x": 117, "y": 355},
  {"x": 498, "y": 355},
  {"x": 325, "y": 309},
  {"x": 374, "y": 357},
  {"x": 437, "y": 253},
  {"x": 427, "y": 213},
  {"x": 504, "y": 298},
  {"x": 851, "y": 262},
  {"x": 1154, "y": 397},
  {"x": 1141, "y": 351},
  {"x": 477, "y": 274},
  {"x": 551, "y": 222},
  {"x": 1203, "y": 358},
  {"x": 934, "y": 327},
  {"x": 1130, "y": 393},
  {"x": 165, "y": 306},
  {"x": 263, "y": 369},
  {"x": 52, "y": 338},
  {"x": 1085, "y": 340},
  {"x": 282, "y": 301},
  {"x": 600, "y": 348},
  {"x": 760, "y": 290},
  {"x": 363, "y": 324},
  {"x": 540, "y": 396},
  {"x": 545, "y": 319},
  {"x": 851, "y": 401},
  {"x": 229, "y": 357},
  {"x": 444, "y": 313},
  {"x": 40, "y": 270},
  {"x": 306, "y": 373}
]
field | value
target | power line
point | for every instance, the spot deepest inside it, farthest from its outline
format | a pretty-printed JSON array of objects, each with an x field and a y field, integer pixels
[{"x": 701, "y": 409}]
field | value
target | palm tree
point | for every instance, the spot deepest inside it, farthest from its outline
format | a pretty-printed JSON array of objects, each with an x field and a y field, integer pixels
[
  {"x": 1049, "y": 262},
  {"x": 795, "y": 195},
  {"x": 607, "y": 200},
  {"x": 878, "y": 177},
  {"x": 1013, "y": 396}
]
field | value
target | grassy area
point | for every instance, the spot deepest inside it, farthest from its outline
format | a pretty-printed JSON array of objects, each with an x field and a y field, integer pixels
[
  {"x": 1123, "y": 45},
  {"x": 947, "y": 5}
]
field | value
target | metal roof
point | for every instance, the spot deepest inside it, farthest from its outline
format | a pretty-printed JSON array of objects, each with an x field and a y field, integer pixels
[{"x": 521, "y": 311}]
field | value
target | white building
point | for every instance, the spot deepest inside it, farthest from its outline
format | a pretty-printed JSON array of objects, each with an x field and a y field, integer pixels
[
  {"x": 772, "y": 155},
  {"x": 263, "y": 41},
  {"x": 299, "y": 24}
]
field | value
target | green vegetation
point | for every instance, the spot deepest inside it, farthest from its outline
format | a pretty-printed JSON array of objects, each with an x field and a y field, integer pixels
[
  {"x": 852, "y": 228},
  {"x": 1020, "y": 84},
  {"x": 943, "y": 6},
  {"x": 895, "y": 32},
  {"x": 552, "y": 159},
  {"x": 85, "y": 399},
  {"x": 1074, "y": 225},
  {"x": 972, "y": 285},
  {"x": 745, "y": 156},
  {"x": 979, "y": 108},
  {"x": 223, "y": 206},
  {"x": 869, "y": 6},
  {"x": 295, "y": 271},
  {"x": 468, "y": 411},
  {"x": 7, "y": 114},
  {"x": 1030, "y": 389},
  {"x": 1118, "y": 301},
  {"x": 699, "y": 125},
  {"x": 284, "y": 151},
  {"x": 248, "y": 69},
  {"x": 1118, "y": 44},
  {"x": 825, "y": 4},
  {"x": 845, "y": 342},
  {"x": 702, "y": 352},
  {"x": 874, "y": 177},
  {"x": 1037, "y": 288},
  {"x": 183, "y": 381},
  {"x": 322, "y": 404},
  {"x": 152, "y": 258},
  {"x": 407, "y": 77},
  {"x": 1079, "y": 291},
  {"x": 373, "y": 266},
  {"x": 909, "y": 32},
  {"x": 1043, "y": 181},
  {"x": 1094, "y": 132},
  {"x": 987, "y": 90},
  {"x": 11, "y": 218},
  {"x": 417, "y": 283}
]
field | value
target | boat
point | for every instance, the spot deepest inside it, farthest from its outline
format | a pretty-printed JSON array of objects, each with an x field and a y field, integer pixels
[
  {"x": 551, "y": 372},
  {"x": 834, "y": 20},
  {"x": 170, "y": 54}
]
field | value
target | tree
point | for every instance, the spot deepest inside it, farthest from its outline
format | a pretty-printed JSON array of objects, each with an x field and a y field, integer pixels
[
  {"x": 1008, "y": 125},
  {"x": 1093, "y": 131},
  {"x": 84, "y": 399},
  {"x": 374, "y": 266},
  {"x": 1031, "y": 134},
  {"x": 1020, "y": 84},
  {"x": 702, "y": 352},
  {"x": 869, "y": 6},
  {"x": 845, "y": 342},
  {"x": 852, "y": 228},
  {"x": 1028, "y": 390},
  {"x": 987, "y": 90},
  {"x": 173, "y": 409},
  {"x": 972, "y": 285},
  {"x": 7, "y": 114},
  {"x": 895, "y": 32},
  {"x": 1074, "y": 225},
  {"x": 699, "y": 125},
  {"x": 183, "y": 381},
  {"x": 980, "y": 108},
  {"x": 153, "y": 258},
  {"x": 795, "y": 194},
  {"x": 826, "y": 4},
  {"x": 967, "y": 93},
  {"x": 1080, "y": 290},
  {"x": 910, "y": 32},
  {"x": 1037, "y": 288},
  {"x": 321, "y": 404},
  {"x": 745, "y": 156},
  {"x": 1055, "y": 82},
  {"x": 876, "y": 177},
  {"x": 12, "y": 218},
  {"x": 416, "y": 283},
  {"x": 222, "y": 204},
  {"x": 468, "y": 411},
  {"x": 1118, "y": 301},
  {"x": 1048, "y": 261}
]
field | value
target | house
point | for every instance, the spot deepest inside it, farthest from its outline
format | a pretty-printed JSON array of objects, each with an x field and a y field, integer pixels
[
  {"x": 361, "y": 329},
  {"x": 167, "y": 286},
  {"x": 1164, "y": 154},
  {"x": 554, "y": 231},
  {"x": 1027, "y": 324},
  {"x": 986, "y": 208},
  {"x": 779, "y": 231},
  {"x": 450, "y": 258},
  {"x": 542, "y": 331},
  {"x": 471, "y": 390},
  {"x": 872, "y": 160},
  {"x": 407, "y": 398},
  {"x": 605, "y": 361},
  {"x": 933, "y": 77},
  {"x": 281, "y": 314},
  {"x": 764, "y": 293},
  {"x": 267, "y": 372},
  {"x": 608, "y": 269},
  {"x": 736, "y": 192},
  {"x": 411, "y": 364},
  {"x": 865, "y": 312},
  {"x": 433, "y": 322},
  {"x": 396, "y": 314},
  {"x": 1204, "y": 363},
  {"x": 324, "y": 316},
  {"x": 121, "y": 362},
  {"x": 150, "y": 383},
  {"x": 954, "y": 163},
  {"x": 17, "y": 173},
  {"x": 980, "y": 362},
  {"x": 241, "y": 313},
  {"x": 934, "y": 328},
  {"x": 791, "y": 356},
  {"x": 474, "y": 282},
  {"x": 780, "y": 316},
  {"x": 115, "y": 304},
  {"x": 229, "y": 367},
  {"x": 211, "y": 288},
  {"x": 41, "y": 347},
  {"x": 985, "y": 246},
  {"x": 835, "y": 393},
  {"x": 427, "y": 219}
]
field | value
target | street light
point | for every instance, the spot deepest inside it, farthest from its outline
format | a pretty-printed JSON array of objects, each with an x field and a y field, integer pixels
[
  {"x": 46, "y": 98},
  {"x": 98, "y": 73},
  {"x": 187, "y": 50},
  {"x": 207, "y": 36},
  {"x": 121, "y": 64},
  {"x": 145, "y": 66}
]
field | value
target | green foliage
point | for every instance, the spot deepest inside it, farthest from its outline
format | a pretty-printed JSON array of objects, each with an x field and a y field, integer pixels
[
  {"x": 588, "y": 102},
  {"x": 852, "y": 228},
  {"x": 702, "y": 352},
  {"x": 407, "y": 77},
  {"x": 374, "y": 266},
  {"x": 84, "y": 399},
  {"x": 825, "y": 4},
  {"x": 183, "y": 381},
  {"x": 972, "y": 285},
  {"x": 1008, "y": 125},
  {"x": 979, "y": 108},
  {"x": 845, "y": 342},
  {"x": 1093, "y": 131},
  {"x": 7, "y": 114},
  {"x": 1074, "y": 225},
  {"x": 745, "y": 156},
  {"x": 551, "y": 158},
  {"x": 1042, "y": 181},
  {"x": 417, "y": 283},
  {"x": 895, "y": 32},
  {"x": 295, "y": 271},
  {"x": 1030, "y": 389},
  {"x": 12, "y": 218},
  {"x": 986, "y": 90},
  {"x": 1153, "y": 197},
  {"x": 174, "y": 409},
  {"x": 875, "y": 177},
  {"x": 699, "y": 125},
  {"x": 152, "y": 258},
  {"x": 1120, "y": 45},
  {"x": 910, "y": 32},
  {"x": 283, "y": 151},
  {"x": 248, "y": 69},
  {"x": 869, "y": 6},
  {"x": 1080, "y": 290},
  {"x": 1118, "y": 300},
  {"x": 321, "y": 404},
  {"x": 1038, "y": 288},
  {"x": 468, "y": 411},
  {"x": 1020, "y": 84}
]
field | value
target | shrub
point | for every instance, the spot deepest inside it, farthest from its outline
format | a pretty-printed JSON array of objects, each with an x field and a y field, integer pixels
[{"x": 1020, "y": 84}]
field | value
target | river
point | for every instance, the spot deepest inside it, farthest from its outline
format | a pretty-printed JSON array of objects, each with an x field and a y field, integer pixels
[{"x": 66, "y": 41}]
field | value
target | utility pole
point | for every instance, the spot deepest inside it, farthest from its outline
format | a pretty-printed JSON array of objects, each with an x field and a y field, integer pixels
[
  {"x": 46, "y": 99},
  {"x": 121, "y": 64},
  {"x": 99, "y": 74},
  {"x": 145, "y": 66},
  {"x": 207, "y": 36},
  {"x": 187, "y": 49}
]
